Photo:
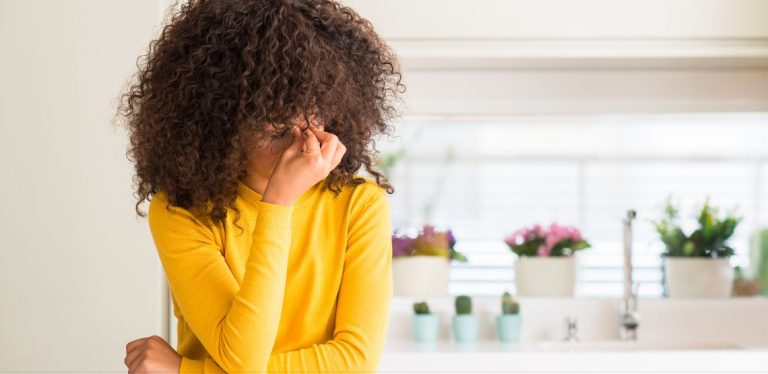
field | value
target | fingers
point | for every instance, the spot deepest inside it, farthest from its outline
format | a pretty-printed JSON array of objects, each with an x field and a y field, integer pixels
[
  {"x": 328, "y": 143},
  {"x": 311, "y": 143},
  {"x": 131, "y": 357},
  {"x": 136, "y": 365},
  {"x": 298, "y": 140},
  {"x": 133, "y": 350},
  {"x": 134, "y": 344},
  {"x": 321, "y": 135},
  {"x": 340, "y": 150}
]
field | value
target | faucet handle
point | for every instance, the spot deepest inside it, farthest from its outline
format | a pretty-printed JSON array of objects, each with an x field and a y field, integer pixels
[
  {"x": 571, "y": 329},
  {"x": 631, "y": 215}
]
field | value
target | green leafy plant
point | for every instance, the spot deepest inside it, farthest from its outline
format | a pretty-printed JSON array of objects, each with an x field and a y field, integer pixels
[
  {"x": 708, "y": 239},
  {"x": 421, "y": 308},
  {"x": 463, "y": 304},
  {"x": 509, "y": 305}
]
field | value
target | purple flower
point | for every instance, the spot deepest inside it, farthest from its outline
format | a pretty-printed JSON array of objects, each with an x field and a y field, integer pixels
[
  {"x": 401, "y": 245},
  {"x": 451, "y": 239}
]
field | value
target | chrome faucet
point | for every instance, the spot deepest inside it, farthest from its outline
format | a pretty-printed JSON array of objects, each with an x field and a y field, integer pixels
[
  {"x": 571, "y": 330},
  {"x": 630, "y": 318}
]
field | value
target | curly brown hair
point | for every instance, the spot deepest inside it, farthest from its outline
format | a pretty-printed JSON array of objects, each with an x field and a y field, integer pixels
[{"x": 221, "y": 69}]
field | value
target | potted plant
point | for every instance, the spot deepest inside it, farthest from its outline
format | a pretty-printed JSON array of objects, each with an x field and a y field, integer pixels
[
  {"x": 508, "y": 323},
  {"x": 421, "y": 264},
  {"x": 545, "y": 265},
  {"x": 696, "y": 264},
  {"x": 425, "y": 324},
  {"x": 465, "y": 324}
]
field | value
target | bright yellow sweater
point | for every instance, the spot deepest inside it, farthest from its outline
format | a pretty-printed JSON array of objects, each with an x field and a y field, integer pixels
[{"x": 305, "y": 288}]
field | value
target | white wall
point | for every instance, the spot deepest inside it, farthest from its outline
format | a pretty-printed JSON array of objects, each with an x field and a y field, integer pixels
[
  {"x": 511, "y": 57},
  {"x": 565, "y": 19},
  {"x": 79, "y": 276}
]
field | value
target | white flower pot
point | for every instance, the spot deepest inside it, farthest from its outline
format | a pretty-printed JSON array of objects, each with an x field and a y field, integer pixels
[
  {"x": 698, "y": 277},
  {"x": 545, "y": 276},
  {"x": 420, "y": 276}
]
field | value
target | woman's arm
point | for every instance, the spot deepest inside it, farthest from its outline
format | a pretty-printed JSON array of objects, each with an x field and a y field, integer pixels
[
  {"x": 362, "y": 314},
  {"x": 237, "y": 324}
]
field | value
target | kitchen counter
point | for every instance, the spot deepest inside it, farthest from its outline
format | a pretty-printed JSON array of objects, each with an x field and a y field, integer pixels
[
  {"x": 445, "y": 357},
  {"x": 694, "y": 336}
]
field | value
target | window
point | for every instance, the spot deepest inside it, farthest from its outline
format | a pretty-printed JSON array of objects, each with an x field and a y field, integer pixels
[{"x": 486, "y": 177}]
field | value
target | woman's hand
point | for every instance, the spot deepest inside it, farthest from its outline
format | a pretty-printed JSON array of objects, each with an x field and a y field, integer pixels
[
  {"x": 309, "y": 159},
  {"x": 151, "y": 355}
]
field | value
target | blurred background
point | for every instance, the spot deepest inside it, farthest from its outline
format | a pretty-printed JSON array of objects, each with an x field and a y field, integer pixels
[{"x": 516, "y": 113}]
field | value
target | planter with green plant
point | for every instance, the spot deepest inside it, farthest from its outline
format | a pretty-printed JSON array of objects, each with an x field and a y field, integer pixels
[
  {"x": 509, "y": 322},
  {"x": 426, "y": 325},
  {"x": 545, "y": 265},
  {"x": 465, "y": 324},
  {"x": 696, "y": 263},
  {"x": 421, "y": 264}
]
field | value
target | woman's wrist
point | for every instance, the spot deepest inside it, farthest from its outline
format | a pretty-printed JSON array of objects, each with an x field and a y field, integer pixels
[{"x": 273, "y": 198}]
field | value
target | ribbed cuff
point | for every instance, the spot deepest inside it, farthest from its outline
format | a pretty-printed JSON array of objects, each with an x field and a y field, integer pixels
[
  {"x": 189, "y": 365},
  {"x": 273, "y": 218}
]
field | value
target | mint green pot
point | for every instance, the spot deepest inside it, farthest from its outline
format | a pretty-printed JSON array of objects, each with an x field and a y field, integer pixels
[
  {"x": 465, "y": 327},
  {"x": 508, "y": 327},
  {"x": 425, "y": 327}
]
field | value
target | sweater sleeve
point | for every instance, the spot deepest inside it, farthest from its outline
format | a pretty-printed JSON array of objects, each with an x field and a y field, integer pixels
[
  {"x": 237, "y": 324},
  {"x": 362, "y": 314}
]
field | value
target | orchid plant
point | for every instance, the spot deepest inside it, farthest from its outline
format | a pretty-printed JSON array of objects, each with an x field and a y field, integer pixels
[
  {"x": 556, "y": 240},
  {"x": 429, "y": 242}
]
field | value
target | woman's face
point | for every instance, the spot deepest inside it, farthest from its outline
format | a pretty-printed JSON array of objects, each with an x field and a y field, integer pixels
[{"x": 266, "y": 148}]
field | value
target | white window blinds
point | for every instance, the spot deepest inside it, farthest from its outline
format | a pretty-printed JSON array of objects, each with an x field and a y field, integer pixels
[{"x": 485, "y": 177}]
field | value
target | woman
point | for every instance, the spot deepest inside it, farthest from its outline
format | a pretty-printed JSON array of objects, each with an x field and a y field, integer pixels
[{"x": 248, "y": 123}]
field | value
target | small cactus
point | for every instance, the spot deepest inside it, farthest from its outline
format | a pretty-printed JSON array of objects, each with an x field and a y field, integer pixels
[
  {"x": 509, "y": 305},
  {"x": 463, "y": 304},
  {"x": 421, "y": 308}
]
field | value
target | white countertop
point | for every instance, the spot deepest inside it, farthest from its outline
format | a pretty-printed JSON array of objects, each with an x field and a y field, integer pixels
[
  {"x": 693, "y": 336},
  {"x": 490, "y": 360}
]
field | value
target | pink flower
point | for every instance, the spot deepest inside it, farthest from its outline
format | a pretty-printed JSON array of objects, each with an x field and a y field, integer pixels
[
  {"x": 511, "y": 239},
  {"x": 543, "y": 250},
  {"x": 575, "y": 235}
]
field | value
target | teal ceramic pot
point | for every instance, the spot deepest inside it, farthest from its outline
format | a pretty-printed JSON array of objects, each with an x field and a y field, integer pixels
[
  {"x": 425, "y": 327},
  {"x": 508, "y": 327},
  {"x": 465, "y": 327}
]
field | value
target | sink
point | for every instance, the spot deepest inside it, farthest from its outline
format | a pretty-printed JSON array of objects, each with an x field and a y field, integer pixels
[{"x": 619, "y": 345}]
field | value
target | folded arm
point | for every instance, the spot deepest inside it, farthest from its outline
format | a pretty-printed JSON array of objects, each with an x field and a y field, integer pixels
[
  {"x": 237, "y": 324},
  {"x": 363, "y": 307}
]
